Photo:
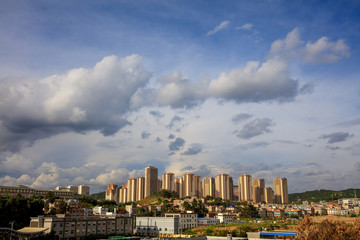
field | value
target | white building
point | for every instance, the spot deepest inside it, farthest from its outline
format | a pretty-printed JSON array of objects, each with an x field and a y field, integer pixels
[
  {"x": 224, "y": 218},
  {"x": 186, "y": 220},
  {"x": 156, "y": 225}
]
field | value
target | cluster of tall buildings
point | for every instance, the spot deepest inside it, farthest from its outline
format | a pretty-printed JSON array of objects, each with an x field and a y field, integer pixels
[{"x": 222, "y": 186}]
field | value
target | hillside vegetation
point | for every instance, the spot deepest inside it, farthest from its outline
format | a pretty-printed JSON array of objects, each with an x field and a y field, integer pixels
[{"x": 323, "y": 195}]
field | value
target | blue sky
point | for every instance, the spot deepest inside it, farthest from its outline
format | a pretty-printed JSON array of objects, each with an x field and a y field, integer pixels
[{"x": 93, "y": 92}]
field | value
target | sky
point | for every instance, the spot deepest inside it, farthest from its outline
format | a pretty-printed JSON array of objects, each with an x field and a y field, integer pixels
[{"x": 92, "y": 92}]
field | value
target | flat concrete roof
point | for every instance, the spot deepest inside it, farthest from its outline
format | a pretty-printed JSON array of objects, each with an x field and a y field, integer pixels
[{"x": 31, "y": 230}]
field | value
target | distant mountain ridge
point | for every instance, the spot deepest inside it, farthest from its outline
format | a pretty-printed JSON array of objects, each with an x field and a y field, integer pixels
[
  {"x": 310, "y": 196},
  {"x": 323, "y": 195}
]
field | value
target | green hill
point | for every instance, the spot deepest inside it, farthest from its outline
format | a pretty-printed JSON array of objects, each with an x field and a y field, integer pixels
[
  {"x": 98, "y": 196},
  {"x": 323, "y": 195}
]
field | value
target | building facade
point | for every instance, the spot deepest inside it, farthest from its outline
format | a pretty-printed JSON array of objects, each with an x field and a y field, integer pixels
[
  {"x": 281, "y": 190},
  {"x": 179, "y": 187},
  {"x": 245, "y": 188},
  {"x": 156, "y": 225},
  {"x": 208, "y": 186},
  {"x": 151, "y": 180},
  {"x": 140, "y": 188},
  {"x": 68, "y": 227},
  {"x": 27, "y": 192},
  {"x": 258, "y": 188},
  {"x": 168, "y": 181},
  {"x": 111, "y": 193},
  {"x": 224, "y": 186}
]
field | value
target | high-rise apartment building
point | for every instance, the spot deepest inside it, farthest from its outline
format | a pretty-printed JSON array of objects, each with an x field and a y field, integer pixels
[
  {"x": 168, "y": 181},
  {"x": 281, "y": 190},
  {"x": 224, "y": 186},
  {"x": 140, "y": 188},
  {"x": 268, "y": 195},
  {"x": 179, "y": 187},
  {"x": 208, "y": 186},
  {"x": 245, "y": 188},
  {"x": 192, "y": 185},
  {"x": 112, "y": 192},
  {"x": 131, "y": 190},
  {"x": 123, "y": 193},
  {"x": 84, "y": 190},
  {"x": 151, "y": 180},
  {"x": 258, "y": 187}
]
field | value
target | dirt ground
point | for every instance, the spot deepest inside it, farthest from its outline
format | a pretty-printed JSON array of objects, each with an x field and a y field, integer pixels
[{"x": 334, "y": 218}]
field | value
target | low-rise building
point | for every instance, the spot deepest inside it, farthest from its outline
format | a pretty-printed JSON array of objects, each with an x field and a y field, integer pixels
[
  {"x": 224, "y": 218},
  {"x": 156, "y": 225},
  {"x": 186, "y": 220},
  {"x": 27, "y": 192},
  {"x": 208, "y": 221},
  {"x": 70, "y": 227}
]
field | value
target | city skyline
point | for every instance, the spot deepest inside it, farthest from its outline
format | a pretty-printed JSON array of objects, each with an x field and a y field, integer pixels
[{"x": 93, "y": 93}]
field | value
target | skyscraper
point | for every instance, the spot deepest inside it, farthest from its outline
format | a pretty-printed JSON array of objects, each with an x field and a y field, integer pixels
[
  {"x": 245, "y": 187},
  {"x": 268, "y": 195},
  {"x": 140, "y": 188},
  {"x": 84, "y": 190},
  {"x": 168, "y": 181},
  {"x": 208, "y": 186},
  {"x": 123, "y": 193},
  {"x": 281, "y": 190},
  {"x": 258, "y": 187},
  {"x": 131, "y": 192},
  {"x": 224, "y": 186},
  {"x": 192, "y": 185},
  {"x": 179, "y": 187},
  {"x": 112, "y": 192},
  {"x": 151, "y": 180}
]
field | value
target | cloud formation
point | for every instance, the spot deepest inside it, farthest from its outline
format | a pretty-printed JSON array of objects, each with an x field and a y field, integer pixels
[
  {"x": 241, "y": 117},
  {"x": 145, "y": 135},
  {"x": 80, "y": 100},
  {"x": 325, "y": 51},
  {"x": 256, "y": 82},
  {"x": 254, "y": 128},
  {"x": 194, "y": 149},
  {"x": 222, "y": 25},
  {"x": 336, "y": 137},
  {"x": 177, "y": 144},
  {"x": 246, "y": 26}
]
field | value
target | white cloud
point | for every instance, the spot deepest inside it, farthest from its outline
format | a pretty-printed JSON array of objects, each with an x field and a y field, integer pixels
[
  {"x": 325, "y": 51},
  {"x": 222, "y": 25},
  {"x": 321, "y": 51},
  {"x": 115, "y": 176},
  {"x": 246, "y": 26},
  {"x": 284, "y": 46},
  {"x": 255, "y": 82}
]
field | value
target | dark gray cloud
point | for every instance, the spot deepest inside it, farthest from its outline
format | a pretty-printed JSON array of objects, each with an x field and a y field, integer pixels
[
  {"x": 254, "y": 128},
  {"x": 240, "y": 117},
  {"x": 158, "y": 140},
  {"x": 332, "y": 147},
  {"x": 336, "y": 137},
  {"x": 177, "y": 144},
  {"x": 174, "y": 121},
  {"x": 308, "y": 145},
  {"x": 253, "y": 145},
  {"x": 193, "y": 150},
  {"x": 156, "y": 114},
  {"x": 286, "y": 142},
  {"x": 350, "y": 123},
  {"x": 171, "y": 136},
  {"x": 145, "y": 135}
]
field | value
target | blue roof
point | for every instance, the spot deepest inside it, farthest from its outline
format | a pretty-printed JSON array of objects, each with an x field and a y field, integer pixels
[{"x": 279, "y": 233}]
